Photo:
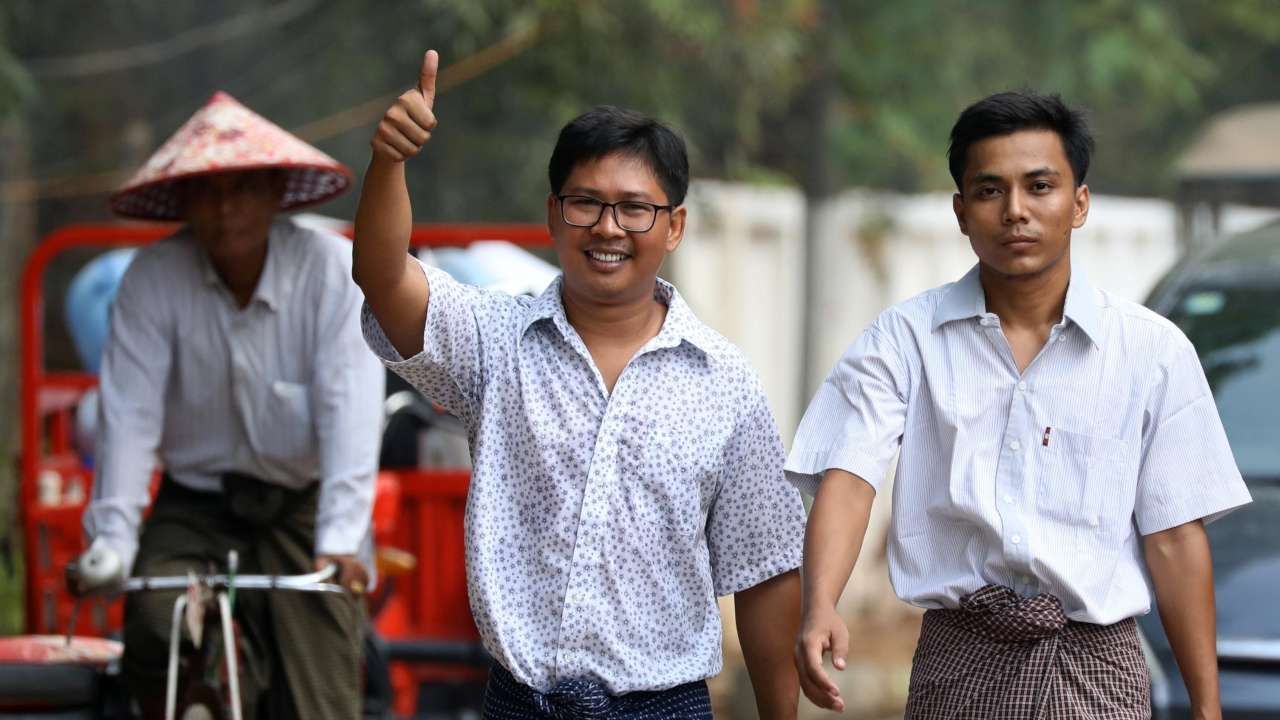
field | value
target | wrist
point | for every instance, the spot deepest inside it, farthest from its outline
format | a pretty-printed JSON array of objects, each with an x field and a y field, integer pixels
[
  {"x": 1206, "y": 711},
  {"x": 816, "y": 603}
]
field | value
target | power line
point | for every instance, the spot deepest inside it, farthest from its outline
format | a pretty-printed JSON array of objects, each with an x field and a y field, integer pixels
[
  {"x": 462, "y": 71},
  {"x": 108, "y": 61},
  {"x": 29, "y": 189}
]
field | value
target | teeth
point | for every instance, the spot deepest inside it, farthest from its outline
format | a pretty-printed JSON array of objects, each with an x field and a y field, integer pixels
[{"x": 607, "y": 257}]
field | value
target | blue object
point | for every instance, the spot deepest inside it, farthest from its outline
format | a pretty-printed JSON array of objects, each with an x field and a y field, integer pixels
[{"x": 88, "y": 304}]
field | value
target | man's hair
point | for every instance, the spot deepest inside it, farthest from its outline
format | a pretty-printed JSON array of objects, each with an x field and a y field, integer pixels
[
  {"x": 1009, "y": 112},
  {"x": 607, "y": 130}
]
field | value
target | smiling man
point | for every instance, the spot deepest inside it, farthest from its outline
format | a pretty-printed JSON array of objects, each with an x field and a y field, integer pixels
[
  {"x": 1060, "y": 452},
  {"x": 627, "y": 470}
]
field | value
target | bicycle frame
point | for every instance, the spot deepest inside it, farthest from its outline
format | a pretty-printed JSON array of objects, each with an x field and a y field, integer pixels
[{"x": 226, "y": 585}]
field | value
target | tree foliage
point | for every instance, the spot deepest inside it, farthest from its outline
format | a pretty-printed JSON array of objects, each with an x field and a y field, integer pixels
[{"x": 763, "y": 89}]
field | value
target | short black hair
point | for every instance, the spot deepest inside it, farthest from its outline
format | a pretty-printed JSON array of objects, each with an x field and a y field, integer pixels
[
  {"x": 1009, "y": 112},
  {"x": 606, "y": 130}
]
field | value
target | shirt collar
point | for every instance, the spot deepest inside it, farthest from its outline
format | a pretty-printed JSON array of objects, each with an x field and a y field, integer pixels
[
  {"x": 965, "y": 299},
  {"x": 271, "y": 287},
  {"x": 680, "y": 325}
]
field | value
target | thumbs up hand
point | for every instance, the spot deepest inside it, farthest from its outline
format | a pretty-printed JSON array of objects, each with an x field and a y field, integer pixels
[{"x": 408, "y": 123}]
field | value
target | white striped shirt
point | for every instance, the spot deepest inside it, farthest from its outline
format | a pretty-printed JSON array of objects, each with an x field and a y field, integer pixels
[{"x": 1043, "y": 480}]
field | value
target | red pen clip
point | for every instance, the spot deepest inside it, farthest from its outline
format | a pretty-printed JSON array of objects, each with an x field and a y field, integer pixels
[{"x": 1045, "y": 440}]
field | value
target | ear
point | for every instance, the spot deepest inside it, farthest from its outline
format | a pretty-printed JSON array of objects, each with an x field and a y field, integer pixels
[
  {"x": 1081, "y": 212},
  {"x": 957, "y": 206},
  {"x": 552, "y": 215},
  {"x": 675, "y": 229}
]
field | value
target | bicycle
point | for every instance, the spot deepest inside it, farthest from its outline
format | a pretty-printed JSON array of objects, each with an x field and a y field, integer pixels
[{"x": 209, "y": 678}]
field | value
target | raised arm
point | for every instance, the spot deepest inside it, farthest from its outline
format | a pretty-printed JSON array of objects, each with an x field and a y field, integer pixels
[{"x": 393, "y": 284}]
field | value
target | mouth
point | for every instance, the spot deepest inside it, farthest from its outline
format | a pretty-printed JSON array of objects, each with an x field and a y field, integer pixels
[
  {"x": 1019, "y": 242},
  {"x": 606, "y": 259}
]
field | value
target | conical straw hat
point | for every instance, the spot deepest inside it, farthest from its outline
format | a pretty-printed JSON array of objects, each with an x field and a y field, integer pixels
[{"x": 225, "y": 136}]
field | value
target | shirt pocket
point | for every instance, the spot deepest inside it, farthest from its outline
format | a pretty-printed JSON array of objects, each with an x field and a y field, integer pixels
[
  {"x": 286, "y": 429},
  {"x": 668, "y": 489},
  {"x": 1082, "y": 482}
]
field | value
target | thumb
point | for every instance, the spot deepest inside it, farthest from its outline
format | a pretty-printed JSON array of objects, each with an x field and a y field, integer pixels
[
  {"x": 427, "y": 76},
  {"x": 839, "y": 646}
]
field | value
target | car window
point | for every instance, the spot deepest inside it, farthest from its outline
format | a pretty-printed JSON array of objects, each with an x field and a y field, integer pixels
[{"x": 1236, "y": 331}]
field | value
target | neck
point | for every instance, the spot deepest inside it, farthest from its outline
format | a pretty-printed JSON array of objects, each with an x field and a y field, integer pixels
[
  {"x": 241, "y": 272},
  {"x": 1028, "y": 301},
  {"x": 634, "y": 321}
]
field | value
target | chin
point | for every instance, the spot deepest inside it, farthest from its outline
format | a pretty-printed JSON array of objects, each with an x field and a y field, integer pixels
[{"x": 1017, "y": 267}]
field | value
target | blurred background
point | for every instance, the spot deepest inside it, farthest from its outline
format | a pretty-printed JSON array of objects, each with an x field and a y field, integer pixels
[{"x": 817, "y": 131}]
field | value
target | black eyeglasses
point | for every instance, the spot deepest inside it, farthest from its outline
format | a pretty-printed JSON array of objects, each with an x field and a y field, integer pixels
[{"x": 630, "y": 215}]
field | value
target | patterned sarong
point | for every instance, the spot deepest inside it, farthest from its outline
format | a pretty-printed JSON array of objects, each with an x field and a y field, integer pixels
[
  {"x": 1005, "y": 657},
  {"x": 505, "y": 698}
]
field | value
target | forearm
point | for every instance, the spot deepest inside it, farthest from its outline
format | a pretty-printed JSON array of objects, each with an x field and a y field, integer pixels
[
  {"x": 384, "y": 221},
  {"x": 393, "y": 284},
  {"x": 1181, "y": 569},
  {"x": 768, "y": 617},
  {"x": 833, "y": 537}
]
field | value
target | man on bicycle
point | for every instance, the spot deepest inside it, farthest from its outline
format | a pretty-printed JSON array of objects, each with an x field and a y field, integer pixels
[{"x": 235, "y": 354}]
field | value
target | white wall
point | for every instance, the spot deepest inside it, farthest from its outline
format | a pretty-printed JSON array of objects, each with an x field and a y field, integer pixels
[{"x": 740, "y": 268}]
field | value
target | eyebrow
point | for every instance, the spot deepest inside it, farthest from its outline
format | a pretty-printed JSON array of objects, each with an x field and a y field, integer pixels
[
  {"x": 1046, "y": 171},
  {"x": 593, "y": 192}
]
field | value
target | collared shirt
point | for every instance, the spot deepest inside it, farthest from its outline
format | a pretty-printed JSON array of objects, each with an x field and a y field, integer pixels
[
  {"x": 600, "y": 527},
  {"x": 1043, "y": 480},
  {"x": 284, "y": 389}
]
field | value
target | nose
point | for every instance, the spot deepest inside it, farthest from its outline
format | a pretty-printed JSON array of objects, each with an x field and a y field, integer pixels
[
  {"x": 1015, "y": 207},
  {"x": 607, "y": 225}
]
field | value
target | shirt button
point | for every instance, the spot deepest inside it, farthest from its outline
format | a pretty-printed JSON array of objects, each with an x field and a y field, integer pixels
[
  {"x": 1062, "y": 338},
  {"x": 1022, "y": 385},
  {"x": 1093, "y": 521},
  {"x": 1015, "y": 445},
  {"x": 1008, "y": 498},
  {"x": 1016, "y": 539}
]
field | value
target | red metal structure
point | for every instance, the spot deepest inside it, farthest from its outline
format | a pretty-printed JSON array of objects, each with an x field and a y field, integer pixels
[{"x": 420, "y": 510}]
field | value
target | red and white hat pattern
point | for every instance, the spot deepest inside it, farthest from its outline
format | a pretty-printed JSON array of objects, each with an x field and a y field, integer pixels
[{"x": 225, "y": 136}]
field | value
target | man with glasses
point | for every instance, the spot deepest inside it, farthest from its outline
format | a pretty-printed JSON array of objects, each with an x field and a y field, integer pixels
[{"x": 627, "y": 470}]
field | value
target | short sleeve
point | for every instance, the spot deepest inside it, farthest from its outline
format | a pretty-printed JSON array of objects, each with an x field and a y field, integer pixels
[
  {"x": 1187, "y": 470},
  {"x": 450, "y": 368},
  {"x": 855, "y": 421},
  {"x": 755, "y": 530}
]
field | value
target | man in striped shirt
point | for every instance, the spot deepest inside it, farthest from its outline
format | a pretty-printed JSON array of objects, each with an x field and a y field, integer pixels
[{"x": 1060, "y": 454}]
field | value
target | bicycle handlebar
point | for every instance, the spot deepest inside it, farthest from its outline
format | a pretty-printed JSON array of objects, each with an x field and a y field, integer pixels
[{"x": 309, "y": 582}]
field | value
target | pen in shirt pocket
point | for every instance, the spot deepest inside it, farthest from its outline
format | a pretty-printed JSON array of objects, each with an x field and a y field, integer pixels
[{"x": 1045, "y": 441}]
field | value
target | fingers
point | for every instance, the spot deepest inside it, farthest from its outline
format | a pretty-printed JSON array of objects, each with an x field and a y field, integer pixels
[
  {"x": 351, "y": 573},
  {"x": 427, "y": 77},
  {"x": 408, "y": 123},
  {"x": 814, "y": 681},
  {"x": 405, "y": 127}
]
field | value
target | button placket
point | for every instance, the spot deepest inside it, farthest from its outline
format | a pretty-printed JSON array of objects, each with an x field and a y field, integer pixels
[
  {"x": 587, "y": 554},
  {"x": 1010, "y": 478}
]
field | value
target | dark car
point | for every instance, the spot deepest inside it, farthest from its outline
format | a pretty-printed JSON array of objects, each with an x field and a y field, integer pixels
[{"x": 1227, "y": 301}]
